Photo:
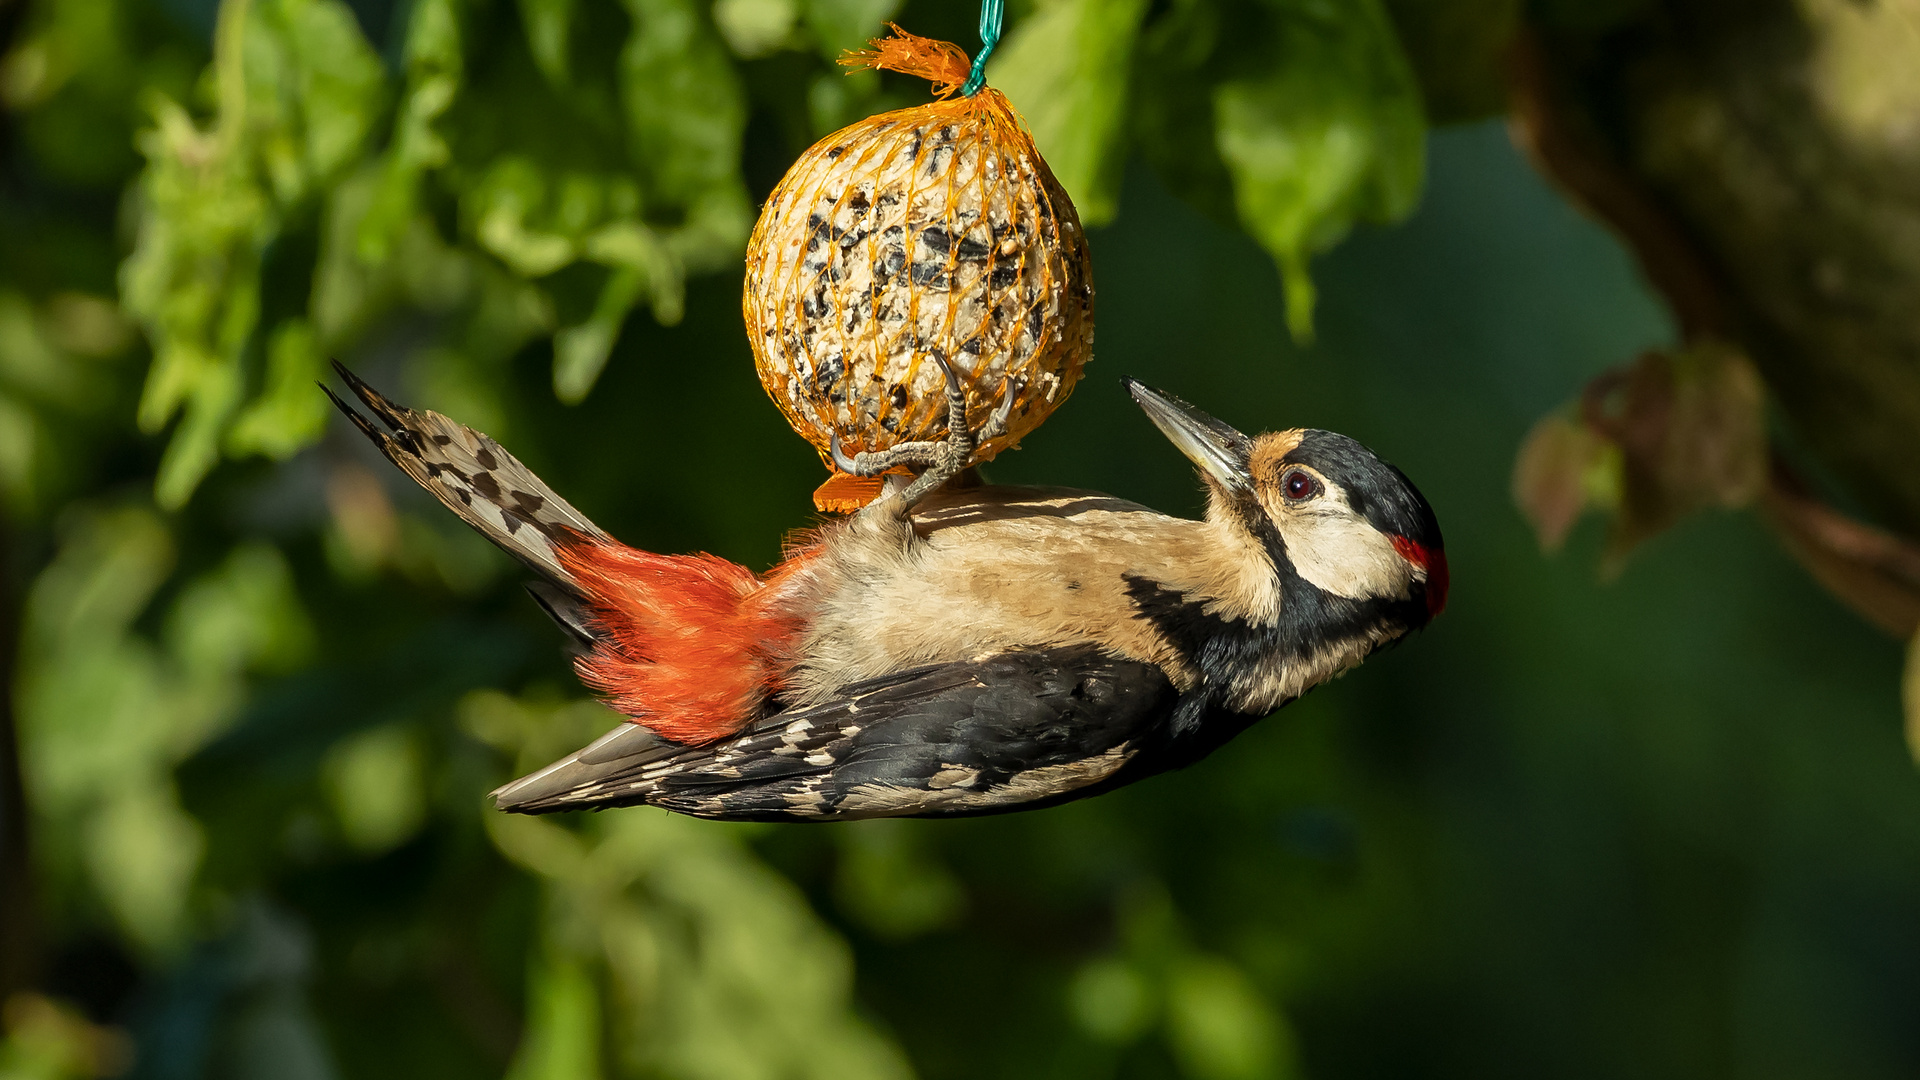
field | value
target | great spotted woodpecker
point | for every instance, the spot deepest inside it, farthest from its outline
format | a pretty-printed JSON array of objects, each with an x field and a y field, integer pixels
[{"x": 953, "y": 649}]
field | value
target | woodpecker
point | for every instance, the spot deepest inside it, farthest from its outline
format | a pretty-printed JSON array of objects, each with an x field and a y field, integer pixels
[{"x": 953, "y": 648}]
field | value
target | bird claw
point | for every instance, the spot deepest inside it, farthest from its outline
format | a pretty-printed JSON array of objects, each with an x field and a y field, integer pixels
[
  {"x": 841, "y": 461},
  {"x": 996, "y": 424},
  {"x": 939, "y": 460}
]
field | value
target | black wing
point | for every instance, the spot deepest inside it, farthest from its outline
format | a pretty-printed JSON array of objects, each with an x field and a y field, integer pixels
[{"x": 1005, "y": 732}]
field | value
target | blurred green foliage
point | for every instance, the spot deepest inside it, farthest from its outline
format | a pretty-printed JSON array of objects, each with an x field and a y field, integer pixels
[
  {"x": 1659, "y": 829},
  {"x": 590, "y": 158}
]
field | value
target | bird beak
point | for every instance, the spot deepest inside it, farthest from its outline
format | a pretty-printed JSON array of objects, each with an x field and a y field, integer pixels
[{"x": 1219, "y": 450}]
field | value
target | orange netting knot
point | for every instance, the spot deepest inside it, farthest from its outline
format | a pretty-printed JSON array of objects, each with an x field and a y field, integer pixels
[{"x": 940, "y": 62}]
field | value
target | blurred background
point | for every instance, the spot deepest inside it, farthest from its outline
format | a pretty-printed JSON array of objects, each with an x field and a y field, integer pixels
[{"x": 1637, "y": 806}]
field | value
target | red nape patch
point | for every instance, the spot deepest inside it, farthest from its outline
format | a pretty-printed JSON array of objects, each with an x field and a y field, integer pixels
[
  {"x": 1434, "y": 563},
  {"x": 691, "y": 646}
]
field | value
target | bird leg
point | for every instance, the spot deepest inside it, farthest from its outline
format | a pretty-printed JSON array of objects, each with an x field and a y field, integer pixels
[{"x": 938, "y": 460}]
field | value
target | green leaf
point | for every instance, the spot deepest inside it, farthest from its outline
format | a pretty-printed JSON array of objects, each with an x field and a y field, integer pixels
[
  {"x": 1172, "y": 112},
  {"x": 632, "y": 246},
  {"x": 512, "y": 190},
  {"x": 563, "y": 1036},
  {"x": 104, "y": 717},
  {"x": 375, "y": 781},
  {"x": 435, "y": 72},
  {"x": 1065, "y": 68},
  {"x": 298, "y": 90},
  {"x": 685, "y": 107},
  {"x": 580, "y": 352},
  {"x": 1330, "y": 132},
  {"x": 1219, "y": 1026},
  {"x": 290, "y": 411},
  {"x": 721, "y": 965},
  {"x": 549, "y": 26},
  {"x": 1111, "y": 1000},
  {"x": 243, "y": 616},
  {"x": 337, "y": 84},
  {"x": 755, "y": 28},
  {"x": 194, "y": 448}
]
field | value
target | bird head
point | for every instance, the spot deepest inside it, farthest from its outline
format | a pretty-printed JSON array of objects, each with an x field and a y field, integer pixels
[{"x": 1344, "y": 529}]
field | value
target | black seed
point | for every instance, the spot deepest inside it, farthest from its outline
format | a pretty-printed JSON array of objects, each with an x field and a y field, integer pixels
[
  {"x": 829, "y": 372},
  {"x": 899, "y": 396}
]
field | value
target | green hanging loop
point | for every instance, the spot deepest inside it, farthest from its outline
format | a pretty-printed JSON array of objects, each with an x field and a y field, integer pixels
[{"x": 992, "y": 13}]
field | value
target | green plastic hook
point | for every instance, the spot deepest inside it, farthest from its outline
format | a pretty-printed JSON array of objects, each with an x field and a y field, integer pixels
[{"x": 992, "y": 14}]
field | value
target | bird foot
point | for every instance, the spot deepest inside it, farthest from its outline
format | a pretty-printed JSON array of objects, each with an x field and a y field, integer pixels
[{"x": 936, "y": 460}]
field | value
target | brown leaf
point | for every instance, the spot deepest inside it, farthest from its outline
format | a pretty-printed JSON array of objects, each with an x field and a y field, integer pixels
[
  {"x": 1691, "y": 428},
  {"x": 1551, "y": 475}
]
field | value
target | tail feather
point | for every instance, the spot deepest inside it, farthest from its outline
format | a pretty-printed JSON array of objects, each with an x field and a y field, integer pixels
[
  {"x": 687, "y": 645},
  {"x": 475, "y": 478},
  {"x": 568, "y": 612}
]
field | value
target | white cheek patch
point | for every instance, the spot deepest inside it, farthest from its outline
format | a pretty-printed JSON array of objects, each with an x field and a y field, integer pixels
[{"x": 1337, "y": 551}]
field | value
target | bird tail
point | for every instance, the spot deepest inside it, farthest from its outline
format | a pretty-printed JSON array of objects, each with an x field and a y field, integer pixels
[
  {"x": 688, "y": 645},
  {"x": 477, "y": 479}
]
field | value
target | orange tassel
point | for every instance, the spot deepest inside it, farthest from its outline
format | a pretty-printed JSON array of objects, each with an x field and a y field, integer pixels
[
  {"x": 942, "y": 63},
  {"x": 843, "y": 494}
]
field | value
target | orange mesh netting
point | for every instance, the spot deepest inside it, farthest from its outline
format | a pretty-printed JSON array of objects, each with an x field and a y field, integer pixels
[{"x": 929, "y": 233}]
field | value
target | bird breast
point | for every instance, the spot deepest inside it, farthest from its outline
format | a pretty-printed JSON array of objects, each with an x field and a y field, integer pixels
[{"x": 982, "y": 570}]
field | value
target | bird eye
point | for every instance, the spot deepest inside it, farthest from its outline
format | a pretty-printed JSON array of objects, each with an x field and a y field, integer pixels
[{"x": 1299, "y": 486}]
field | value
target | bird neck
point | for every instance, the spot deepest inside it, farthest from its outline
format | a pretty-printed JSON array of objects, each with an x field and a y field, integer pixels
[{"x": 1255, "y": 633}]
